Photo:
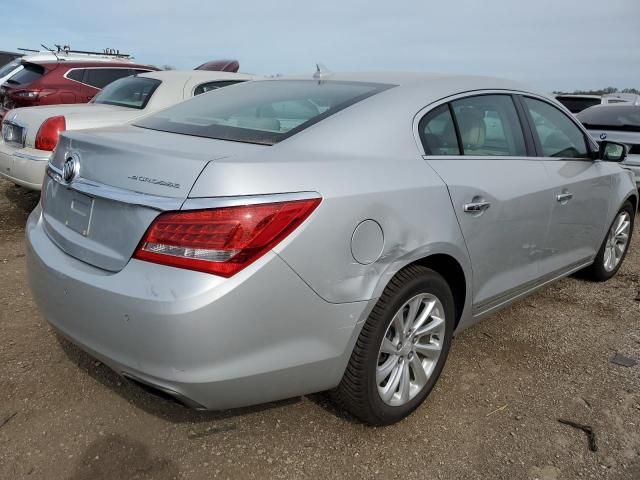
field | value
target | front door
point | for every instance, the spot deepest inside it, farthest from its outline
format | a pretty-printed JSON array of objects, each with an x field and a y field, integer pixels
[
  {"x": 497, "y": 189},
  {"x": 579, "y": 187}
]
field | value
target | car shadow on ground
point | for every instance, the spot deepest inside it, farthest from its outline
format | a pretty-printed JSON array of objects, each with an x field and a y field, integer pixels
[{"x": 151, "y": 403}]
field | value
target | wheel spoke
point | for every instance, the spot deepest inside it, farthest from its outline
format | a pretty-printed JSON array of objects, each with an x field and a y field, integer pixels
[
  {"x": 405, "y": 382},
  {"x": 392, "y": 385},
  {"x": 388, "y": 347},
  {"x": 424, "y": 316},
  {"x": 429, "y": 350},
  {"x": 398, "y": 324},
  {"x": 418, "y": 371},
  {"x": 436, "y": 323},
  {"x": 383, "y": 371}
]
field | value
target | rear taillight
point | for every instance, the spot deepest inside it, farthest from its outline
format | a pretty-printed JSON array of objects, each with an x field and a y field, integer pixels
[
  {"x": 221, "y": 241},
  {"x": 49, "y": 133}
]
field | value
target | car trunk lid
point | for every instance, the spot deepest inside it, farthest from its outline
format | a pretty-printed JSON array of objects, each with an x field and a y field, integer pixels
[{"x": 125, "y": 177}]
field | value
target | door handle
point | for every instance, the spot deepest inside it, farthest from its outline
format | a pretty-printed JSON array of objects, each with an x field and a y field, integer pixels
[
  {"x": 564, "y": 197},
  {"x": 476, "y": 207}
]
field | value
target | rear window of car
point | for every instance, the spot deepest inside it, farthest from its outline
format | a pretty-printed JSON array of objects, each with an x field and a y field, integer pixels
[
  {"x": 9, "y": 67},
  {"x": 101, "y": 77},
  {"x": 264, "y": 112},
  {"x": 618, "y": 117},
  {"x": 130, "y": 92},
  {"x": 30, "y": 73},
  {"x": 577, "y": 104}
]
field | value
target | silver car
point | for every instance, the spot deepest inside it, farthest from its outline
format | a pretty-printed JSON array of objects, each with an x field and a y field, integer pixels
[
  {"x": 620, "y": 123},
  {"x": 296, "y": 235}
]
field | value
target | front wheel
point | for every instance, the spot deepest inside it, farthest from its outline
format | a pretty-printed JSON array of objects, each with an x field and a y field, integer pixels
[
  {"x": 614, "y": 247},
  {"x": 401, "y": 349}
]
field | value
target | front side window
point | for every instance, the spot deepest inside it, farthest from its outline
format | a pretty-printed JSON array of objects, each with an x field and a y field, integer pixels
[
  {"x": 438, "y": 133},
  {"x": 489, "y": 126},
  {"x": 130, "y": 92},
  {"x": 557, "y": 134},
  {"x": 101, "y": 77},
  {"x": 263, "y": 112},
  {"x": 207, "y": 87}
]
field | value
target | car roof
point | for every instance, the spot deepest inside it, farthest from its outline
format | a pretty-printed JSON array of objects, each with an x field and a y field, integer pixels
[
  {"x": 414, "y": 78},
  {"x": 186, "y": 75},
  {"x": 76, "y": 63}
]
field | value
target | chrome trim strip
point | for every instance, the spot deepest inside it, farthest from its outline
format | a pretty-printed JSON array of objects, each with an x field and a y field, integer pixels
[
  {"x": 100, "y": 190},
  {"x": 220, "y": 202},
  {"x": 502, "y": 300},
  {"x": 157, "y": 202},
  {"x": 30, "y": 156}
]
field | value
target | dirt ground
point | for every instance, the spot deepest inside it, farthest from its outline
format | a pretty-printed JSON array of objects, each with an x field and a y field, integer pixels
[{"x": 493, "y": 415}]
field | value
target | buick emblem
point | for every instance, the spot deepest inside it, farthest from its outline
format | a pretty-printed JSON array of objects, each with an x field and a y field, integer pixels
[
  {"x": 603, "y": 136},
  {"x": 71, "y": 168}
]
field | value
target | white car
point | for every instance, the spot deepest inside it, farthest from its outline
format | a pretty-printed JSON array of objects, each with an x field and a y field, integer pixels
[{"x": 29, "y": 135}]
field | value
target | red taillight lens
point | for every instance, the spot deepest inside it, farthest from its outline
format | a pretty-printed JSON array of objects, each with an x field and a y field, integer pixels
[
  {"x": 221, "y": 241},
  {"x": 49, "y": 133}
]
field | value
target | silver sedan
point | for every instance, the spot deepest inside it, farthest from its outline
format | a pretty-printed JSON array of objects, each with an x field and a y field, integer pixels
[{"x": 289, "y": 236}]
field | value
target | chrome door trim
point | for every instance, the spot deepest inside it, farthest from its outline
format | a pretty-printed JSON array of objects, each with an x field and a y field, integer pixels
[{"x": 493, "y": 304}]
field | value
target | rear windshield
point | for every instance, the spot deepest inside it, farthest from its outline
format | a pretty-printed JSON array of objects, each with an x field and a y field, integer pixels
[
  {"x": 576, "y": 104},
  {"x": 130, "y": 92},
  {"x": 30, "y": 73},
  {"x": 619, "y": 117},
  {"x": 263, "y": 112},
  {"x": 9, "y": 67}
]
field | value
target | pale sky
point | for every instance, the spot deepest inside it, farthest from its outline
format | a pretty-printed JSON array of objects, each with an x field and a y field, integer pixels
[{"x": 550, "y": 44}]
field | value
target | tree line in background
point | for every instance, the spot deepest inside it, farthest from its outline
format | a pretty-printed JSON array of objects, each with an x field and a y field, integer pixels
[{"x": 602, "y": 91}]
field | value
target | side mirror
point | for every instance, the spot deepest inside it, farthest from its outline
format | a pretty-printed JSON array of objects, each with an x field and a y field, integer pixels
[{"x": 612, "y": 151}]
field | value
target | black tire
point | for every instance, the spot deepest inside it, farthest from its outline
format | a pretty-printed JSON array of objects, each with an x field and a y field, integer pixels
[
  {"x": 358, "y": 391},
  {"x": 596, "y": 271}
]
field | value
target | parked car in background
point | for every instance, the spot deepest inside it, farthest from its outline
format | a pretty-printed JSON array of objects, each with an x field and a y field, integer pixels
[
  {"x": 16, "y": 65},
  {"x": 57, "y": 82},
  {"x": 620, "y": 123},
  {"x": 29, "y": 135},
  {"x": 6, "y": 57},
  {"x": 288, "y": 236},
  {"x": 576, "y": 103}
]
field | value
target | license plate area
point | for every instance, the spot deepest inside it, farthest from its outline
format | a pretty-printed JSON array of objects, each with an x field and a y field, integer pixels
[
  {"x": 79, "y": 213},
  {"x": 13, "y": 134}
]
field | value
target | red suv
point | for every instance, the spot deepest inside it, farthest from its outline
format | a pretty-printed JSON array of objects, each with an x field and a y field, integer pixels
[{"x": 51, "y": 83}]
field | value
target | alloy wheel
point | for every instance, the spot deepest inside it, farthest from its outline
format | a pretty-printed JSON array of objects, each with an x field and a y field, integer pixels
[
  {"x": 617, "y": 241},
  {"x": 410, "y": 349}
]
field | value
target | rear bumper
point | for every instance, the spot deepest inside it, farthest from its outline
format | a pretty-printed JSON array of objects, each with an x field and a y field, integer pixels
[
  {"x": 259, "y": 336},
  {"x": 25, "y": 166}
]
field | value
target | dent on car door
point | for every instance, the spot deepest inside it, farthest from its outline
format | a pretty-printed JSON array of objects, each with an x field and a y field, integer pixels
[
  {"x": 579, "y": 186},
  {"x": 495, "y": 185}
]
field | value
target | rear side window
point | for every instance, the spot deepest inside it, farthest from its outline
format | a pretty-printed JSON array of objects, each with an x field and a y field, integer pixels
[
  {"x": 557, "y": 134},
  {"x": 264, "y": 112},
  {"x": 30, "y": 73},
  {"x": 207, "y": 87},
  {"x": 130, "y": 92},
  {"x": 101, "y": 77},
  {"x": 438, "y": 132},
  {"x": 76, "y": 74},
  {"x": 489, "y": 126}
]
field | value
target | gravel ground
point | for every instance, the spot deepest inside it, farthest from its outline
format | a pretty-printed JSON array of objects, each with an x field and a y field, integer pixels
[{"x": 492, "y": 415}]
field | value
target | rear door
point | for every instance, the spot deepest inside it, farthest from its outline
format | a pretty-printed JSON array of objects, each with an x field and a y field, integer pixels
[
  {"x": 580, "y": 187},
  {"x": 478, "y": 147}
]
